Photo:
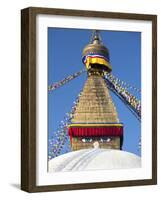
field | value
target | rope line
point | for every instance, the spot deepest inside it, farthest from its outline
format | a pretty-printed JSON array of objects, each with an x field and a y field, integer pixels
[
  {"x": 65, "y": 80},
  {"x": 123, "y": 83},
  {"x": 60, "y": 138},
  {"x": 129, "y": 100}
]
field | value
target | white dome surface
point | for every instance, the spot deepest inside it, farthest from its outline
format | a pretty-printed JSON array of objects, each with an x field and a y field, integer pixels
[{"x": 94, "y": 159}]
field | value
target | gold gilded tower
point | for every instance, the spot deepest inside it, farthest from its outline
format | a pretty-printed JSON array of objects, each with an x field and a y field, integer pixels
[{"x": 95, "y": 122}]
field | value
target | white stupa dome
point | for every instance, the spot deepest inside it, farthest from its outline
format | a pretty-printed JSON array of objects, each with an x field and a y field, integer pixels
[{"x": 94, "y": 159}]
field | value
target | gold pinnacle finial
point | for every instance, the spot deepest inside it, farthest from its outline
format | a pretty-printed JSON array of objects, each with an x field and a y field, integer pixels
[
  {"x": 96, "y": 55},
  {"x": 95, "y": 37}
]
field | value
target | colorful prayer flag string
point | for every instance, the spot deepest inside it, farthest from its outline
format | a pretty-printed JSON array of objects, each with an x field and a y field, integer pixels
[
  {"x": 65, "y": 80},
  {"x": 60, "y": 138}
]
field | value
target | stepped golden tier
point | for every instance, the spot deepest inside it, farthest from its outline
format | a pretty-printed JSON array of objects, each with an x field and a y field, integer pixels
[{"x": 95, "y": 120}]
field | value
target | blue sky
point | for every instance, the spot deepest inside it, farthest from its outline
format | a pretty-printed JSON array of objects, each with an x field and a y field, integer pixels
[{"x": 64, "y": 58}]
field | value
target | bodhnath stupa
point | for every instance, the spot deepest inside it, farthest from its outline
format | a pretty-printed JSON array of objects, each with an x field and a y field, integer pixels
[{"x": 96, "y": 133}]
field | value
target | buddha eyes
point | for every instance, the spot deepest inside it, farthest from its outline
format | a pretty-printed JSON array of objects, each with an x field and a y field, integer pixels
[
  {"x": 87, "y": 140},
  {"x": 108, "y": 139},
  {"x": 101, "y": 140}
]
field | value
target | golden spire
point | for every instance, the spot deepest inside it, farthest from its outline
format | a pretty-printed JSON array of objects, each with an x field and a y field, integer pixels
[{"x": 95, "y": 119}]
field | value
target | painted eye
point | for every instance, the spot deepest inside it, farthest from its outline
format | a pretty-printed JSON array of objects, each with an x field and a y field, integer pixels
[
  {"x": 83, "y": 140},
  {"x": 108, "y": 139}
]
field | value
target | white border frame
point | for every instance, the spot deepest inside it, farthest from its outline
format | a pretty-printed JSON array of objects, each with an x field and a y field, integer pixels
[{"x": 145, "y": 27}]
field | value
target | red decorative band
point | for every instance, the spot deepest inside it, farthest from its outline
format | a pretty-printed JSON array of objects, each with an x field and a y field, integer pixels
[{"x": 95, "y": 131}]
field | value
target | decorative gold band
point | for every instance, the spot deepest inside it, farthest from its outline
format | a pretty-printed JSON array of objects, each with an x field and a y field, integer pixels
[{"x": 94, "y": 125}]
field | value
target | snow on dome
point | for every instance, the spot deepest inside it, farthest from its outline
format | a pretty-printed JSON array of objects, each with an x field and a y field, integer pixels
[{"x": 94, "y": 159}]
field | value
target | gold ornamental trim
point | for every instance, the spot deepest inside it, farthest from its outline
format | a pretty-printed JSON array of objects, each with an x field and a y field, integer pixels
[{"x": 94, "y": 125}]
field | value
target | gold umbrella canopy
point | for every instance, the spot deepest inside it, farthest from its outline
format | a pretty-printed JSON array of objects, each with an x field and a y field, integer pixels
[{"x": 95, "y": 53}]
